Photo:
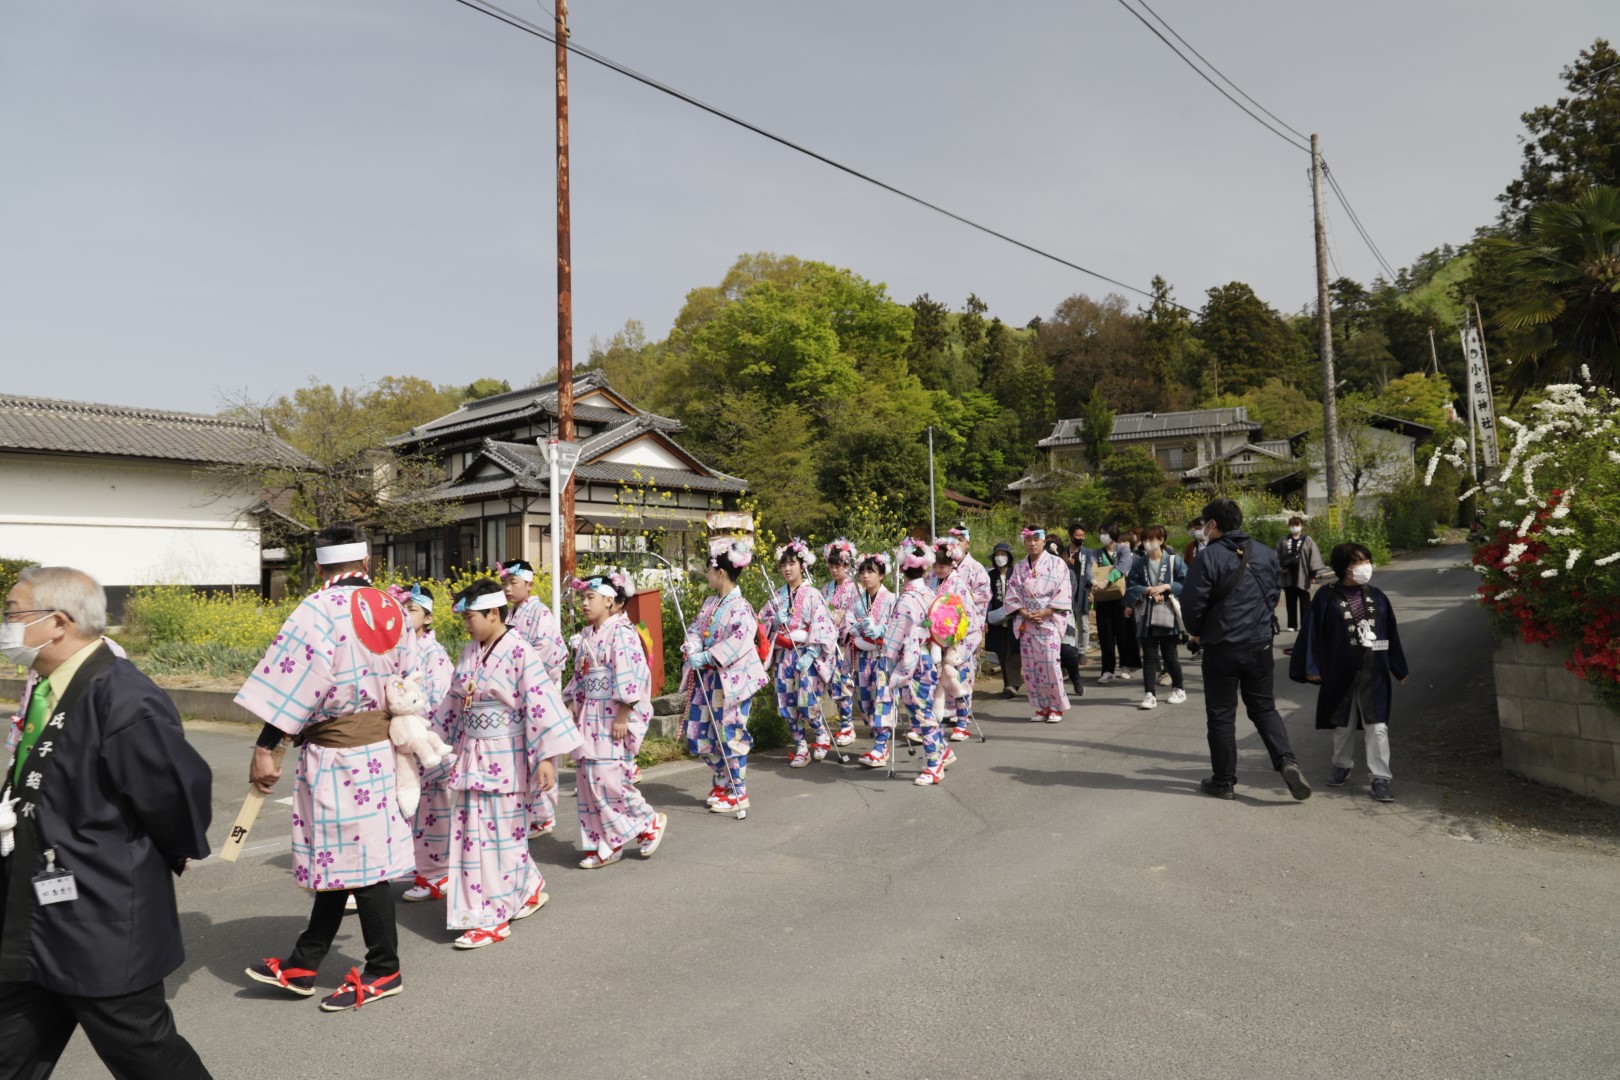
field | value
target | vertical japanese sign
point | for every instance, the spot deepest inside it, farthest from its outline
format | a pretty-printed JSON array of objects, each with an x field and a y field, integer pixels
[{"x": 1481, "y": 407}]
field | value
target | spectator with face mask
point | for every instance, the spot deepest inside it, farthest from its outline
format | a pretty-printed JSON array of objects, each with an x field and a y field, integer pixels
[
  {"x": 1121, "y": 658},
  {"x": 1155, "y": 579},
  {"x": 1301, "y": 562},
  {"x": 999, "y": 636},
  {"x": 1195, "y": 542},
  {"x": 1349, "y": 647}
]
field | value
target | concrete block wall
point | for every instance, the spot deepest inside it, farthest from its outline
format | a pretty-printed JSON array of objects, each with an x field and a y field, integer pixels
[{"x": 1554, "y": 729}]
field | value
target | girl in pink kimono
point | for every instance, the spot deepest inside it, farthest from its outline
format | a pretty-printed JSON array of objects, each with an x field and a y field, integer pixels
[
  {"x": 908, "y": 674},
  {"x": 537, "y": 624},
  {"x": 958, "y": 573},
  {"x": 840, "y": 595},
  {"x": 506, "y": 719},
  {"x": 723, "y": 673},
  {"x": 1039, "y": 597},
  {"x": 802, "y": 630},
  {"x": 433, "y": 809},
  {"x": 869, "y": 620},
  {"x": 611, "y": 698}
]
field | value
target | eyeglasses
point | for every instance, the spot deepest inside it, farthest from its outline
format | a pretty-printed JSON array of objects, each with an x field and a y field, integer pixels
[{"x": 16, "y": 616}]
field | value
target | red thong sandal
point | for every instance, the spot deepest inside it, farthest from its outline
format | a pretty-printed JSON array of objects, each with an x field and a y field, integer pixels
[
  {"x": 269, "y": 971},
  {"x": 355, "y": 991}
]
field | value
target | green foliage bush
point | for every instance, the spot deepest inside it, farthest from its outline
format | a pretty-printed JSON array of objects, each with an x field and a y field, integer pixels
[
  {"x": 175, "y": 614},
  {"x": 198, "y": 658}
]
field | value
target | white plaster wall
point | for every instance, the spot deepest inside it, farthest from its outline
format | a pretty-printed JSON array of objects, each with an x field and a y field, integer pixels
[
  {"x": 645, "y": 451},
  {"x": 123, "y": 522}
]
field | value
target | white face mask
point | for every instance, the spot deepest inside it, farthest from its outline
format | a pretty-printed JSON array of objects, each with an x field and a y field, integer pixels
[
  {"x": 1295, "y": 530},
  {"x": 1106, "y": 539},
  {"x": 1152, "y": 546},
  {"x": 1361, "y": 573},
  {"x": 1198, "y": 534},
  {"x": 11, "y": 642},
  {"x": 1001, "y": 560}
]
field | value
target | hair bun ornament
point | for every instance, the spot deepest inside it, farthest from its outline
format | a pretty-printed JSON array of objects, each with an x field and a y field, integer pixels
[
  {"x": 885, "y": 563},
  {"x": 736, "y": 553},
  {"x": 797, "y": 548},
  {"x": 914, "y": 555},
  {"x": 840, "y": 549}
]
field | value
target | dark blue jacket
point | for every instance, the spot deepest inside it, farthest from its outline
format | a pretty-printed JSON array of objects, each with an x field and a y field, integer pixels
[{"x": 1243, "y": 617}]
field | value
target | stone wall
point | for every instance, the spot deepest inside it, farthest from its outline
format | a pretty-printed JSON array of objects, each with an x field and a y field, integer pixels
[{"x": 1554, "y": 729}]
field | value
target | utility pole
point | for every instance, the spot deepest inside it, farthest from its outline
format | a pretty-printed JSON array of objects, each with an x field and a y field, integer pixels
[
  {"x": 1330, "y": 392},
  {"x": 933, "y": 520},
  {"x": 565, "y": 293}
]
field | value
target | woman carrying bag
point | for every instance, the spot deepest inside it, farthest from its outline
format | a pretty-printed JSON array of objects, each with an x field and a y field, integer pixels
[
  {"x": 1301, "y": 562},
  {"x": 1153, "y": 589}
]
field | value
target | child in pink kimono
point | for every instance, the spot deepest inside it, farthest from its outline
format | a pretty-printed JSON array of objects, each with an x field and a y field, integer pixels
[
  {"x": 433, "y": 808},
  {"x": 1040, "y": 597},
  {"x": 909, "y": 674},
  {"x": 506, "y": 719},
  {"x": 966, "y": 577},
  {"x": 806, "y": 641},
  {"x": 322, "y": 682},
  {"x": 869, "y": 620},
  {"x": 537, "y": 624},
  {"x": 840, "y": 595},
  {"x": 610, "y": 694},
  {"x": 723, "y": 673}
]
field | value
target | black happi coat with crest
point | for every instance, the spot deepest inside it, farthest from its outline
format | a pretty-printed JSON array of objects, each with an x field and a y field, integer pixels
[{"x": 123, "y": 801}]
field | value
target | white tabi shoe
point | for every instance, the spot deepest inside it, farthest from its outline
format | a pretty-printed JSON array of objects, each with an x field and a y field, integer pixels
[
  {"x": 874, "y": 760},
  {"x": 596, "y": 860},
  {"x": 1053, "y": 716},
  {"x": 424, "y": 889},
  {"x": 800, "y": 757},
  {"x": 931, "y": 776},
  {"x": 948, "y": 760},
  {"x": 541, "y": 828},
  {"x": 844, "y": 737},
  {"x": 533, "y": 904}
]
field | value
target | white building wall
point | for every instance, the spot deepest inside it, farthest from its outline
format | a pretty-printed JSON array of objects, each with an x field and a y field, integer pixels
[
  {"x": 645, "y": 451},
  {"x": 123, "y": 522}
]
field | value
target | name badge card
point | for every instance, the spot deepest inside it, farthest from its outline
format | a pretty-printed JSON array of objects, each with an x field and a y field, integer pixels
[{"x": 54, "y": 885}]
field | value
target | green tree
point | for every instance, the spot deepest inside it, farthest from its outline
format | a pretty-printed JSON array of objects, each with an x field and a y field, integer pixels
[
  {"x": 779, "y": 459},
  {"x": 629, "y": 361},
  {"x": 1567, "y": 274},
  {"x": 1096, "y": 429},
  {"x": 1280, "y": 410},
  {"x": 1245, "y": 341},
  {"x": 1425, "y": 399},
  {"x": 1573, "y": 144},
  {"x": 1136, "y": 485},
  {"x": 1096, "y": 345},
  {"x": 1169, "y": 350}
]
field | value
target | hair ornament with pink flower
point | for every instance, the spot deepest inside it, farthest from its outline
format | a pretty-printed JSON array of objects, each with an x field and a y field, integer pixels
[
  {"x": 882, "y": 558},
  {"x": 737, "y": 554},
  {"x": 796, "y": 548},
  {"x": 914, "y": 555},
  {"x": 839, "y": 551}
]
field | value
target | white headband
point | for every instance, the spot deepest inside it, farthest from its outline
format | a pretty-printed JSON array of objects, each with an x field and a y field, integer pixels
[
  {"x": 485, "y": 602},
  {"x": 518, "y": 572},
  {"x": 604, "y": 588},
  {"x": 342, "y": 553}
]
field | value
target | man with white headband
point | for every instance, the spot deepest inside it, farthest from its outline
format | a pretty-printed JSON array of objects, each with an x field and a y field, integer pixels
[
  {"x": 537, "y": 624},
  {"x": 322, "y": 683}
]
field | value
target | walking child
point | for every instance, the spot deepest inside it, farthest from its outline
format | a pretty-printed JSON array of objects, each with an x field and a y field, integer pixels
[
  {"x": 723, "y": 672},
  {"x": 908, "y": 675},
  {"x": 873, "y": 605},
  {"x": 432, "y": 826},
  {"x": 611, "y": 698},
  {"x": 506, "y": 719},
  {"x": 537, "y": 624},
  {"x": 323, "y": 682},
  {"x": 802, "y": 631},
  {"x": 840, "y": 593},
  {"x": 958, "y": 572}
]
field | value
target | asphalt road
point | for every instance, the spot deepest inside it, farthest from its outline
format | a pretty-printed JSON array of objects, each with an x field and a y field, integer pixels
[{"x": 1066, "y": 905}]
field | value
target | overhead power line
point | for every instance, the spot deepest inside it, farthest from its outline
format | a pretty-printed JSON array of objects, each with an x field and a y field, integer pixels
[
  {"x": 1304, "y": 137},
  {"x": 1305, "y": 146},
  {"x": 517, "y": 22},
  {"x": 1338, "y": 192}
]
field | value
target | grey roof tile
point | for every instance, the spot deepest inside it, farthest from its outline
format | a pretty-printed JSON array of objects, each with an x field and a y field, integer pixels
[{"x": 49, "y": 425}]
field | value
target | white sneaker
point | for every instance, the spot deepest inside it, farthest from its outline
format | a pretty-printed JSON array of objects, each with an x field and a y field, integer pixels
[
  {"x": 1165, "y": 679},
  {"x": 1125, "y": 675},
  {"x": 1149, "y": 702},
  {"x": 1105, "y": 678},
  {"x": 1177, "y": 696}
]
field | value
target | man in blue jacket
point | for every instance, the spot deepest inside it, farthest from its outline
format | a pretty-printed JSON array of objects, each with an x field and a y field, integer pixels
[{"x": 1229, "y": 605}]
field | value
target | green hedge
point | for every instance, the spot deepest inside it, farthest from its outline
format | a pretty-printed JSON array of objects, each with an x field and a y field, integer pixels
[{"x": 9, "y": 569}]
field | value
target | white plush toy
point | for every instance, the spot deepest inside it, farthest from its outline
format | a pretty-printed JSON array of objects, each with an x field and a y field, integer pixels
[
  {"x": 950, "y": 685},
  {"x": 415, "y": 744}
]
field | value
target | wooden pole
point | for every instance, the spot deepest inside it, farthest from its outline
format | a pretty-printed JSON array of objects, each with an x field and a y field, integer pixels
[
  {"x": 565, "y": 292},
  {"x": 1330, "y": 396}
]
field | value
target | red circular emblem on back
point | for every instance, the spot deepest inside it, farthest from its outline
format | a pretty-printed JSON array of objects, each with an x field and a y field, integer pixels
[{"x": 379, "y": 621}]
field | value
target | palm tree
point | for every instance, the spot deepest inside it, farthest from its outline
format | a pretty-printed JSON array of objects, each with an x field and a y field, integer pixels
[{"x": 1567, "y": 277}]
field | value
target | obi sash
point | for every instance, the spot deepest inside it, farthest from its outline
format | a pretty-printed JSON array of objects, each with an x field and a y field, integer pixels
[
  {"x": 597, "y": 685},
  {"x": 491, "y": 720},
  {"x": 348, "y": 732}
]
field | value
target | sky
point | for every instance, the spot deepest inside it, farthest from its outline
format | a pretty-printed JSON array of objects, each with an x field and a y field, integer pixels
[{"x": 207, "y": 201}]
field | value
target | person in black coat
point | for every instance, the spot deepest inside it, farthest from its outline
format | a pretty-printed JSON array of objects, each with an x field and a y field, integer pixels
[
  {"x": 998, "y": 635},
  {"x": 105, "y": 788},
  {"x": 1229, "y": 606},
  {"x": 1350, "y": 646}
]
